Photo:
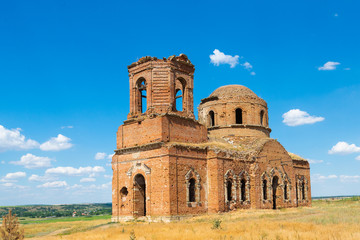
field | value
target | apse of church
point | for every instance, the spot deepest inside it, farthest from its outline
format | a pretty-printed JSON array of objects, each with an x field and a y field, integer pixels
[{"x": 168, "y": 165}]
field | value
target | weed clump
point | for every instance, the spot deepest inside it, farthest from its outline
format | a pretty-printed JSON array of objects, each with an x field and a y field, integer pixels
[
  {"x": 10, "y": 229},
  {"x": 132, "y": 235},
  {"x": 216, "y": 224}
]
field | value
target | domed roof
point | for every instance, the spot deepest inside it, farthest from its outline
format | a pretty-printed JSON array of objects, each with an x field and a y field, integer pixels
[{"x": 233, "y": 91}]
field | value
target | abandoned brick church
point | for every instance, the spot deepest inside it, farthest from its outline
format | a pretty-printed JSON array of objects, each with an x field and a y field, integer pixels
[{"x": 168, "y": 164}]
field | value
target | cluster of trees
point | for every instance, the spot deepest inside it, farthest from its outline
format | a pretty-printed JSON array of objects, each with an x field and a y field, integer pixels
[{"x": 43, "y": 211}]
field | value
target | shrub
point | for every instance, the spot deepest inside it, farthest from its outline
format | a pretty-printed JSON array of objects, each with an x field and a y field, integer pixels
[
  {"x": 10, "y": 229},
  {"x": 132, "y": 235},
  {"x": 216, "y": 224}
]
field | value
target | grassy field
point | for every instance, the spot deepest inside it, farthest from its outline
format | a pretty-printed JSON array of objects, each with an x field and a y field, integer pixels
[{"x": 327, "y": 219}]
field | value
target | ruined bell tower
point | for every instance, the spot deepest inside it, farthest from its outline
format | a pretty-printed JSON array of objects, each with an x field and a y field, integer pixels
[{"x": 159, "y": 86}]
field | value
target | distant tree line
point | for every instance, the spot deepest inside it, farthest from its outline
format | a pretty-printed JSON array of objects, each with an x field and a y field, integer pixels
[{"x": 43, "y": 211}]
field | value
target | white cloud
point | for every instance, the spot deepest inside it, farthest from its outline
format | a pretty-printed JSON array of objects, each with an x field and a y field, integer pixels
[
  {"x": 220, "y": 58},
  {"x": 12, "y": 185},
  {"x": 358, "y": 158},
  {"x": 296, "y": 117},
  {"x": 56, "y": 143},
  {"x": 31, "y": 161},
  {"x": 344, "y": 148},
  {"x": 107, "y": 176},
  {"x": 344, "y": 178},
  {"x": 14, "y": 140},
  {"x": 55, "y": 184},
  {"x": 253, "y": 73},
  {"x": 329, "y": 66},
  {"x": 75, "y": 171},
  {"x": 83, "y": 180},
  {"x": 102, "y": 156},
  {"x": 15, "y": 175},
  {"x": 75, "y": 186},
  {"x": 45, "y": 178},
  {"x": 247, "y": 65},
  {"x": 321, "y": 178},
  {"x": 2, "y": 162},
  {"x": 315, "y": 161},
  {"x": 63, "y": 127}
]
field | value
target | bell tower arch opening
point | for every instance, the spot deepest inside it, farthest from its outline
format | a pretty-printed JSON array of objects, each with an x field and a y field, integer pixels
[{"x": 141, "y": 95}]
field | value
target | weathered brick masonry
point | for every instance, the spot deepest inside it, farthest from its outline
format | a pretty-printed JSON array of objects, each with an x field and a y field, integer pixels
[{"x": 168, "y": 165}]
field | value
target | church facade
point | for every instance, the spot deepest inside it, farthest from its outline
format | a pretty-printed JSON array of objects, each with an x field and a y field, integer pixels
[{"x": 168, "y": 165}]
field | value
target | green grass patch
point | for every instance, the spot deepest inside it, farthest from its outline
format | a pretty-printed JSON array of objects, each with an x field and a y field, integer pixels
[{"x": 64, "y": 219}]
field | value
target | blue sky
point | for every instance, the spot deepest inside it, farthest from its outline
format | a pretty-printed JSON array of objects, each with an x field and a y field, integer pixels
[{"x": 64, "y": 82}]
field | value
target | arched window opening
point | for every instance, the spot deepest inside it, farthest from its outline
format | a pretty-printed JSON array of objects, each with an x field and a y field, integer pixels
[
  {"x": 211, "y": 118},
  {"x": 142, "y": 94},
  {"x": 262, "y": 117},
  {"x": 192, "y": 190},
  {"x": 243, "y": 190},
  {"x": 229, "y": 190},
  {"x": 179, "y": 100},
  {"x": 264, "y": 189},
  {"x": 275, "y": 184},
  {"x": 303, "y": 190},
  {"x": 238, "y": 113},
  {"x": 297, "y": 193},
  {"x": 285, "y": 191}
]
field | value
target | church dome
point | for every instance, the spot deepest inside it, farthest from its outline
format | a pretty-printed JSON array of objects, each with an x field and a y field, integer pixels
[
  {"x": 236, "y": 111},
  {"x": 233, "y": 91}
]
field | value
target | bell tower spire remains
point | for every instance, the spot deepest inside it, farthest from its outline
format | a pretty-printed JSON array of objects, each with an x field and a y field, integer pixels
[{"x": 159, "y": 86}]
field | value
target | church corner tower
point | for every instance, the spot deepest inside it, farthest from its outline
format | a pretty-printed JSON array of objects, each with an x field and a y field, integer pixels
[{"x": 151, "y": 151}]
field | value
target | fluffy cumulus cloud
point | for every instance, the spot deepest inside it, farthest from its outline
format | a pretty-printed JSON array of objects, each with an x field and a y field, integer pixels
[
  {"x": 31, "y": 161},
  {"x": 63, "y": 127},
  {"x": 12, "y": 185},
  {"x": 344, "y": 148},
  {"x": 45, "y": 178},
  {"x": 321, "y": 178},
  {"x": 296, "y": 117},
  {"x": 55, "y": 184},
  {"x": 12, "y": 139},
  {"x": 102, "y": 156},
  {"x": 315, "y": 161},
  {"x": 358, "y": 158},
  {"x": 56, "y": 143},
  {"x": 345, "y": 178},
  {"x": 89, "y": 179},
  {"x": 71, "y": 171},
  {"x": 218, "y": 58},
  {"x": 15, "y": 175},
  {"x": 329, "y": 66}
]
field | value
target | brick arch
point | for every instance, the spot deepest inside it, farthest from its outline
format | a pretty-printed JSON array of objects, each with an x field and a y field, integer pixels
[
  {"x": 192, "y": 173},
  {"x": 286, "y": 187},
  {"x": 244, "y": 175},
  {"x": 230, "y": 177},
  {"x": 211, "y": 120},
  {"x": 265, "y": 176}
]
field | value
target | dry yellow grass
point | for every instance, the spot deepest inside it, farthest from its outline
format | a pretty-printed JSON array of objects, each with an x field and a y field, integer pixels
[{"x": 325, "y": 220}]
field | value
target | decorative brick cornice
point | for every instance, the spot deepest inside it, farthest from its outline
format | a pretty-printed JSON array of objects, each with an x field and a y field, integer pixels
[{"x": 144, "y": 147}]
